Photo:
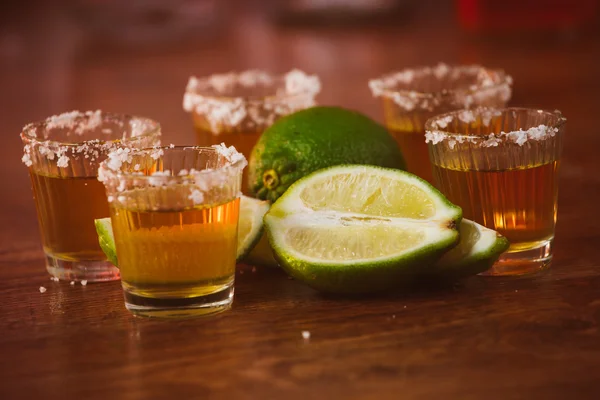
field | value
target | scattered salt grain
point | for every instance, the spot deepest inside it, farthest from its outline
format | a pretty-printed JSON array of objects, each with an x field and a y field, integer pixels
[
  {"x": 42, "y": 289},
  {"x": 72, "y": 283},
  {"x": 54, "y": 278},
  {"x": 305, "y": 335},
  {"x": 83, "y": 282}
]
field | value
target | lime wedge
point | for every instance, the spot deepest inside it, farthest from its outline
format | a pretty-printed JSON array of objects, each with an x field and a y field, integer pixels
[
  {"x": 106, "y": 239},
  {"x": 360, "y": 229},
  {"x": 250, "y": 229},
  {"x": 262, "y": 254},
  {"x": 476, "y": 252}
]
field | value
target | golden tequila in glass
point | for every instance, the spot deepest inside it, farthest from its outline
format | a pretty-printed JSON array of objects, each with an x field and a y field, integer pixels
[
  {"x": 175, "y": 214},
  {"x": 236, "y": 108},
  {"x": 63, "y": 153},
  {"x": 412, "y": 96},
  {"x": 501, "y": 167}
]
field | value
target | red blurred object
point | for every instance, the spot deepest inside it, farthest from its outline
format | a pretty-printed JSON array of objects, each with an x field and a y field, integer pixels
[{"x": 503, "y": 15}]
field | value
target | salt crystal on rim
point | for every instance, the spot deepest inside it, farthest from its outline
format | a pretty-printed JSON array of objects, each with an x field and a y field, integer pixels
[
  {"x": 492, "y": 141},
  {"x": 489, "y": 84},
  {"x": 434, "y": 136},
  {"x": 27, "y": 159},
  {"x": 444, "y": 121},
  {"x": 466, "y": 116},
  {"x": 297, "y": 81},
  {"x": 46, "y": 151},
  {"x": 441, "y": 70},
  {"x": 117, "y": 157},
  {"x": 230, "y": 153},
  {"x": 158, "y": 177},
  {"x": 157, "y": 153},
  {"x": 227, "y": 110},
  {"x": 201, "y": 182},
  {"x": 63, "y": 161},
  {"x": 196, "y": 196}
]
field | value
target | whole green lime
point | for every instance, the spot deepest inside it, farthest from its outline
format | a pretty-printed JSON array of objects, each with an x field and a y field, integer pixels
[{"x": 316, "y": 138}]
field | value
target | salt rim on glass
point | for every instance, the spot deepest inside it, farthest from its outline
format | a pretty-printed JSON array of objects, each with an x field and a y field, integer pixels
[
  {"x": 436, "y": 128},
  {"x": 77, "y": 124},
  {"x": 226, "y": 100},
  {"x": 467, "y": 85},
  {"x": 198, "y": 182}
]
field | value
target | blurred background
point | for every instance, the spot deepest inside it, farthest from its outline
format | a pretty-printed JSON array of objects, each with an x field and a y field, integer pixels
[{"x": 135, "y": 56}]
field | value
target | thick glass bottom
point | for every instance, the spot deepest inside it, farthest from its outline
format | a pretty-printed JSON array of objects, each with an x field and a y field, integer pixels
[
  {"x": 140, "y": 304},
  {"x": 90, "y": 270},
  {"x": 523, "y": 262}
]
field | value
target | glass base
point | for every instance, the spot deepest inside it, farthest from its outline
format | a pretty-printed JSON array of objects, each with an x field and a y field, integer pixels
[
  {"x": 91, "y": 271},
  {"x": 524, "y": 262},
  {"x": 185, "y": 307}
]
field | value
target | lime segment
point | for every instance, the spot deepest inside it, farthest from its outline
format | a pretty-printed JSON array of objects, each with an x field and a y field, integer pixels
[
  {"x": 360, "y": 229},
  {"x": 106, "y": 239},
  {"x": 478, "y": 249}
]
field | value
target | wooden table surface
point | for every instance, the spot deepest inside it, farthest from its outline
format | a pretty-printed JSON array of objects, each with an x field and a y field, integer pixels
[{"x": 529, "y": 338}]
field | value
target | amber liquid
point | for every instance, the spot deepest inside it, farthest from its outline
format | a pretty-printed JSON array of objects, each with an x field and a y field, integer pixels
[
  {"x": 521, "y": 203},
  {"x": 243, "y": 141},
  {"x": 66, "y": 209},
  {"x": 414, "y": 149},
  {"x": 175, "y": 254}
]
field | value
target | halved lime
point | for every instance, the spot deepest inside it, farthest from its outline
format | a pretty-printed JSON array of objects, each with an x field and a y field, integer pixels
[
  {"x": 249, "y": 231},
  {"x": 106, "y": 239},
  {"x": 360, "y": 229},
  {"x": 476, "y": 252}
]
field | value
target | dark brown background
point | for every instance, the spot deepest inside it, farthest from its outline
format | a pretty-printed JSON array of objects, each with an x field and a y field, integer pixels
[{"x": 526, "y": 338}]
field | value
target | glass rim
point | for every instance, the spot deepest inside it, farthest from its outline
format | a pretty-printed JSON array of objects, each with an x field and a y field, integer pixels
[
  {"x": 235, "y": 164},
  {"x": 29, "y": 136},
  {"x": 381, "y": 88},
  {"x": 435, "y": 127},
  {"x": 208, "y": 87}
]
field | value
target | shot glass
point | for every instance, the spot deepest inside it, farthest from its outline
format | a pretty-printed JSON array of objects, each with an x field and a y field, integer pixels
[
  {"x": 63, "y": 154},
  {"x": 501, "y": 167},
  {"x": 412, "y": 96},
  {"x": 237, "y": 107},
  {"x": 174, "y": 212}
]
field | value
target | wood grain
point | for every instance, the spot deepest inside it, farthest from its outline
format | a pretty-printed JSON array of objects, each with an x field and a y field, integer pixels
[{"x": 528, "y": 338}]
